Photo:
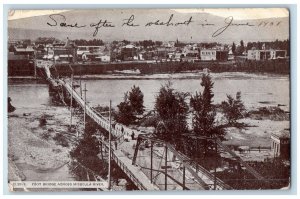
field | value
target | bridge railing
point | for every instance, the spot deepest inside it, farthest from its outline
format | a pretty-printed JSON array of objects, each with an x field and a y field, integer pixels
[
  {"x": 124, "y": 168},
  {"x": 97, "y": 117},
  {"x": 128, "y": 172}
]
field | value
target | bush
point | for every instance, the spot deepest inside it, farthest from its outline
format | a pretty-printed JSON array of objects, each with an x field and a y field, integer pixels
[
  {"x": 61, "y": 140},
  {"x": 45, "y": 135},
  {"x": 233, "y": 109}
]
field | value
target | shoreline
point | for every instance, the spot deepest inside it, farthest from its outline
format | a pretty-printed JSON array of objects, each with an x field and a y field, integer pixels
[
  {"x": 161, "y": 76},
  {"x": 27, "y": 147}
]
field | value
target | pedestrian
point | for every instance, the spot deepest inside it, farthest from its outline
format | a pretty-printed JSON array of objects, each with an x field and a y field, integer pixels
[
  {"x": 116, "y": 145},
  {"x": 132, "y": 135}
]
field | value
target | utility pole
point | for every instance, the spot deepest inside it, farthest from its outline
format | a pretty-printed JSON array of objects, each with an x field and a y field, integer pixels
[
  {"x": 166, "y": 165},
  {"x": 109, "y": 148},
  {"x": 84, "y": 113},
  {"x": 80, "y": 82},
  {"x": 216, "y": 163},
  {"x": 71, "y": 103},
  {"x": 34, "y": 63}
]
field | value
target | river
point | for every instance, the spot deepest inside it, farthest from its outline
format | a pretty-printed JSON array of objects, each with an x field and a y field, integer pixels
[{"x": 257, "y": 90}]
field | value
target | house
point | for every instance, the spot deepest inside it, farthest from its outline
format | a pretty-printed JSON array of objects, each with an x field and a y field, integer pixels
[
  {"x": 191, "y": 52},
  {"x": 281, "y": 144},
  {"x": 21, "y": 61},
  {"x": 128, "y": 52},
  {"x": 266, "y": 54},
  {"x": 169, "y": 44},
  {"x": 28, "y": 51},
  {"x": 21, "y": 54},
  {"x": 213, "y": 55},
  {"x": 62, "y": 54},
  {"x": 91, "y": 52}
]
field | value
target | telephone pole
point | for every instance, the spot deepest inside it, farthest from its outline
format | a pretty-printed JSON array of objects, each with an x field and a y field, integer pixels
[
  {"x": 71, "y": 103},
  {"x": 84, "y": 111},
  {"x": 109, "y": 148},
  {"x": 80, "y": 82}
]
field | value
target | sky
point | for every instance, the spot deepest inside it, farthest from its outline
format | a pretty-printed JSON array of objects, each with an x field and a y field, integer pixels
[
  {"x": 237, "y": 13},
  {"x": 241, "y": 13}
]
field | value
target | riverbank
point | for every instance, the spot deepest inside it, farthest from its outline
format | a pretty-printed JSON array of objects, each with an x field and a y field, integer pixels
[
  {"x": 39, "y": 143},
  {"x": 30, "y": 153},
  {"x": 162, "y": 76}
]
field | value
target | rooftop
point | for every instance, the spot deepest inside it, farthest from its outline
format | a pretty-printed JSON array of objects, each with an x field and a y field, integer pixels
[{"x": 282, "y": 134}]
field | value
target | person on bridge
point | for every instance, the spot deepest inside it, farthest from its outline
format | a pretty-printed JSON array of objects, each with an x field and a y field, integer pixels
[
  {"x": 132, "y": 135},
  {"x": 116, "y": 145}
]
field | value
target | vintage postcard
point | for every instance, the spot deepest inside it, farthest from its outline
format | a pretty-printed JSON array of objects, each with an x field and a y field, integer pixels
[{"x": 149, "y": 99}]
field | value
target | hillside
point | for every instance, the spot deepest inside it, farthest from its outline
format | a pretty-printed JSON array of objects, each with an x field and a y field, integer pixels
[{"x": 34, "y": 27}]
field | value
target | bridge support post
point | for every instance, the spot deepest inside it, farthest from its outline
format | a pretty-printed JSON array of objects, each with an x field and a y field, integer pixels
[
  {"x": 166, "y": 169},
  {"x": 216, "y": 162},
  {"x": 151, "y": 162},
  {"x": 183, "y": 179},
  {"x": 138, "y": 142}
]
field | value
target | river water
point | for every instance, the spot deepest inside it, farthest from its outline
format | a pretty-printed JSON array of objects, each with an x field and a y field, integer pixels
[{"x": 257, "y": 90}]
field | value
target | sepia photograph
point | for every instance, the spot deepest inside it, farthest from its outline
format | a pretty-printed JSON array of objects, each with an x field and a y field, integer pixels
[{"x": 144, "y": 99}]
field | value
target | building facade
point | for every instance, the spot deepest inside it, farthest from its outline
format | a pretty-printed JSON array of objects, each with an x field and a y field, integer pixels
[
  {"x": 281, "y": 144},
  {"x": 266, "y": 54},
  {"x": 213, "y": 55}
]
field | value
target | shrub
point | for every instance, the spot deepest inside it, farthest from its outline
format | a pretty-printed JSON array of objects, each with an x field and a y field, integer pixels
[{"x": 233, "y": 109}]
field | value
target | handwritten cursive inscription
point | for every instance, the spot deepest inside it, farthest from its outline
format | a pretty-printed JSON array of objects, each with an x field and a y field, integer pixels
[
  {"x": 100, "y": 24},
  {"x": 61, "y": 21},
  {"x": 59, "y": 17},
  {"x": 170, "y": 22},
  {"x": 228, "y": 22},
  {"x": 129, "y": 22}
]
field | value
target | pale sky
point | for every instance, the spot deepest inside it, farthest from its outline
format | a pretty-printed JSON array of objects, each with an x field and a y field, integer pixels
[
  {"x": 18, "y": 14},
  {"x": 241, "y": 13},
  {"x": 237, "y": 13}
]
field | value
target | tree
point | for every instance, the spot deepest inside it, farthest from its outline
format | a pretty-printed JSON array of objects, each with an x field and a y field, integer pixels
[
  {"x": 242, "y": 43},
  {"x": 85, "y": 153},
  {"x": 158, "y": 43},
  {"x": 83, "y": 42},
  {"x": 204, "y": 115},
  {"x": 136, "y": 99},
  {"x": 240, "y": 49},
  {"x": 126, "y": 42},
  {"x": 172, "y": 110},
  {"x": 125, "y": 115},
  {"x": 11, "y": 48},
  {"x": 233, "y": 48},
  {"x": 233, "y": 108}
]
